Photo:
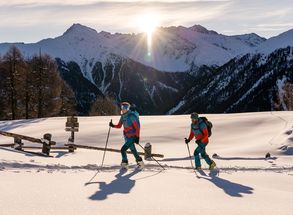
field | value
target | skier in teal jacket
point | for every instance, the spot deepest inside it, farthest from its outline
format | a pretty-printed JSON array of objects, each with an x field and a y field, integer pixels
[
  {"x": 130, "y": 121},
  {"x": 199, "y": 130}
]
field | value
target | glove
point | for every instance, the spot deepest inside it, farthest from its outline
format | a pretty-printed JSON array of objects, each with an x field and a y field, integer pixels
[
  {"x": 198, "y": 141},
  {"x": 136, "y": 140},
  {"x": 187, "y": 140},
  {"x": 111, "y": 124}
]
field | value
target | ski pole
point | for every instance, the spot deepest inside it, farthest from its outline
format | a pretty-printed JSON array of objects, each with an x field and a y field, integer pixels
[
  {"x": 106, "y": 147},
  {"x": 153, "y": 158},
  {"x": 190, "y": 156},
  {"x": 191, "y": 161},
  {"x": 103, "y": 158}
]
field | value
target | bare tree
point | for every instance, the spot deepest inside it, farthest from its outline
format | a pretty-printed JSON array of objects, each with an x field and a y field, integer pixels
[
  {"x": 285, "y": 97},
  {"x": 46, "y": 85},
  {"x": 68, "y": 103},
  {"x": 288, "y": 95},
  {"x": 13, "y": 68},
  {"x": 2, "y": 90},
  {"x": 33, "y": 88},
  {"x": 104, "y": 106}
]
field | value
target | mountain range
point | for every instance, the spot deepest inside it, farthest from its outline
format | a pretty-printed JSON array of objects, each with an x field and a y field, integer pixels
[{"x": 188, "y": 69}]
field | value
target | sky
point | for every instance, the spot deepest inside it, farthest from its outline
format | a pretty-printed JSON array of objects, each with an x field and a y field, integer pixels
[{"x": 32, "y": 20}]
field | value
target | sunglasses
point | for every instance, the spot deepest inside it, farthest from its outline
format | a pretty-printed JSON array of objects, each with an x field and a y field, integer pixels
[{"x": 125, "y": 107}]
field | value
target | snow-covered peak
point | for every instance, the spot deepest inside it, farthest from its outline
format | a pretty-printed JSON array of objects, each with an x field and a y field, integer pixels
[
  {"x": 78, "y": 29},
  {"x": 106, "y": 34},
  {"x": 173, "y": 48},
  {"x": 252, "y": 39},
  {"x": 281, "y": 41},
  {"x": 201, "y": 29},
  {"x": 193, "y": 29}
]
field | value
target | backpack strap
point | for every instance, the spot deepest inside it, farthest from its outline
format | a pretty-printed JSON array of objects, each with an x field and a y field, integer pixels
[{"x": 202, "y": 121}]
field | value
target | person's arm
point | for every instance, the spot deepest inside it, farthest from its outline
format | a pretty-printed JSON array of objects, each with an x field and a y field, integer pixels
[
  {"x": 191, "y": 135},
  {"x": 119, "y": 125}
]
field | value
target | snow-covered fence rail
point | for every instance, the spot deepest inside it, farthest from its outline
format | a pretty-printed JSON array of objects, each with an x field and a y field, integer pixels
[
  {"x": 109, "y": 149},
  {"x": 18, "y": 144}
]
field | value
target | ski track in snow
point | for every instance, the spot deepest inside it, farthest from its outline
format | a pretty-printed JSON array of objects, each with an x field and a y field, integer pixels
[{"x": 12, "y": 165}]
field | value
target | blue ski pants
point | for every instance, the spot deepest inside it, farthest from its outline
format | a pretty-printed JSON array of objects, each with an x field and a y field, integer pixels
[
  {"x": 129, "y": 144},
  {"x": 201, "y": 149}
]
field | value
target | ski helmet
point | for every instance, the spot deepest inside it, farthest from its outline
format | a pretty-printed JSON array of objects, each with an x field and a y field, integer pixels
[{"x": 194, "y": 116}]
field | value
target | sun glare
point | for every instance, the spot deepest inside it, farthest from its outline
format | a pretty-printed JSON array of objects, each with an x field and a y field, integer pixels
[{"x": 148, "y": 24}]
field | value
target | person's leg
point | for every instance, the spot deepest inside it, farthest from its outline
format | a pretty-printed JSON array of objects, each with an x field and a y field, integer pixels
[
  {"x": 204, "y": 155},
  {"x": 196, "y": 153},
  {"x": 133, "y": 150},
  {"x": 123, "y": 151}
]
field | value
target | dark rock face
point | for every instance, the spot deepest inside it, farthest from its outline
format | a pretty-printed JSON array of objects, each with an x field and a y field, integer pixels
[
  {"x": 153, "y": 91},
  {"x": 242, "y": 85},
  {"x": 85, "y": 92}
]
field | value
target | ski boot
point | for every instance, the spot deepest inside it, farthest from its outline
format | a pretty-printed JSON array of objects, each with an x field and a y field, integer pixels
[
  {"x": 140, "y": 163},
  {"x": 212, "y": 166},
  {"x": 124, "y": 165},
  {"x": 198, "y": 168}
]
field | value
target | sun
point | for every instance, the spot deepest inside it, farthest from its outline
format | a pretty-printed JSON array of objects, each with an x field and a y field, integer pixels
[{"x": 148, "y": 24}]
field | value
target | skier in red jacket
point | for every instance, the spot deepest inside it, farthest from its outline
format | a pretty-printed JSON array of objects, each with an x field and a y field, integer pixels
[{"x": 199, "y": 130}]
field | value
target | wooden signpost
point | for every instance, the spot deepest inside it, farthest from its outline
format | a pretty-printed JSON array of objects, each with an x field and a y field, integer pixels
[{"x": 71, "y": 125}]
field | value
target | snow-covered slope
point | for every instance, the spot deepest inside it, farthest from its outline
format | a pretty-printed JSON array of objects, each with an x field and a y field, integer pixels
[
  {"x": 252, "y": 39},
  {"x": 173, "y": 48},
  {"x": 281, "y": 41},
  {"x": 247, "y": 183}
]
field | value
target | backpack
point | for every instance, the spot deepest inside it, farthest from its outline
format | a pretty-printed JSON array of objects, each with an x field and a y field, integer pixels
[
  {"x": 135, "y": 114},
  {"x": 208, "y": 123}
]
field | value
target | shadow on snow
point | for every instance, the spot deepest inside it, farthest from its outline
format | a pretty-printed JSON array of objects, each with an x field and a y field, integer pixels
[
  {"x": 34, "y": 153},
  {"x": 230, "y": 188},
  {"x": 10, "y": 125},
  {"x": 122, "y": 184}
]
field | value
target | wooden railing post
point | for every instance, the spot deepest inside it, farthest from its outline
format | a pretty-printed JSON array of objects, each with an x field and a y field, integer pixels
[
  {"x": 147, "y": 151},
  {"x": 71, "y": 125},
  {"x": 46, "y": 144},
  {"x": 18, "y": 143}
]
